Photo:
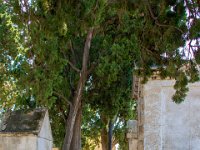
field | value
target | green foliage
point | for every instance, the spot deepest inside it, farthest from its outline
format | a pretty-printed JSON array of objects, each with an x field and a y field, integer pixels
[
  {"x": 11, "y": 57},
  {"x": 120, "y": 134},
  {"x": 91, "y": 128},
  {"x": 57, "y": 126},
  {"x": 40, "y": 40},
  {"x": 180, "y": 86}
]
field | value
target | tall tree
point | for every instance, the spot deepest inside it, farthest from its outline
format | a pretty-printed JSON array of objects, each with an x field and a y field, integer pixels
[{"x": 71, "y": 43}]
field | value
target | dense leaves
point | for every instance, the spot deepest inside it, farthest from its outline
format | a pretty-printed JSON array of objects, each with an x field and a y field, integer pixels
[
  {"x": 41, "y": 53},
  {"x": 11, "y": 57}
]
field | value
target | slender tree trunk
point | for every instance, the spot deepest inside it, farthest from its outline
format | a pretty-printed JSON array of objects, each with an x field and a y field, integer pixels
[
  {"x": 110, "y": 133},
  {"x": 76, "y": 139},
  {"x": 107, "y": 141},
  {"x": 72, "y": 117},
  {"x": 78, "y": 95},
  {"x": 104, "y": 139},
  {"x": 104, "y": 133}
]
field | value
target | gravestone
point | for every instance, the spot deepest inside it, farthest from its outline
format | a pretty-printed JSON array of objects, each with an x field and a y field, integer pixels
[{"x": 26, "y": 130}]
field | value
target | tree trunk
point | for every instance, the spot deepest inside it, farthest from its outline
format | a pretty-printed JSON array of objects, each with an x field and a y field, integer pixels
[
  {"x": 104, "y": 133},
  {"x": 107, "y": 141},
  {"x": 104, "y": 139},
  {"x": 76, "y": 139},
  {"x": 110, "y": 133},
  {"x": 78, "y": 94}
]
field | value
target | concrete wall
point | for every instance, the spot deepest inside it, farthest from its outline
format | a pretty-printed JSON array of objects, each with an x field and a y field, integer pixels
[
  {"x": 45, "y": 131},
  {"x": 170, "y": 126},
  {"x": 44, "y": 144},
  {"x": 45, "y": 140},
  {"x": 18, "y": 142}
]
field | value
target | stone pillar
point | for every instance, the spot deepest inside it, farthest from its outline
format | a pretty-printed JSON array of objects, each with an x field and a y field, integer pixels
[
  {"x": 137, "y": 94},
  {"x": 132, "y": 134}
]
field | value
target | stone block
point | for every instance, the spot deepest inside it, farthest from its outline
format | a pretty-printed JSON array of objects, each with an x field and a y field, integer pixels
[
  {"x": 132, "y": 126},
  {"x": 133, "y": 144}
]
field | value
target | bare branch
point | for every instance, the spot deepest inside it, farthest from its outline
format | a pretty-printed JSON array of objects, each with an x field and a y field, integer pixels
[
  {"x": 73, "y": 53},
  {"x": 71, "y": 64},
  {"x": 86, "y": 50},
  {"x": 164, "y": 25},
  {"x": 150, "y": 11},
  {"x": 74, "y": 67},
  {"x": 63, "y": 97}
]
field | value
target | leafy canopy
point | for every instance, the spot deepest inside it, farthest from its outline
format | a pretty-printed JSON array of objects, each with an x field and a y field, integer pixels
[{"x": 42, "y": 41}]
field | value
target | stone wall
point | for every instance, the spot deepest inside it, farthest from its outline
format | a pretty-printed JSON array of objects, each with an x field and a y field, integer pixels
[
  {"x": 18, "y": 143},
  {"x": 26, "y": 130},
  {"x": 167, "y": 125},
  {"x": 132, "y": 134},
  {"x": 43, "y": 144},
  {"x": 45, "y": 139}
]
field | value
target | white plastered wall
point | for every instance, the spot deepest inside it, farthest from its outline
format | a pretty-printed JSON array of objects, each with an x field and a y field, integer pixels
[
  {"x": 45, "y": 140},
  {"x": 167, "y": 125}
]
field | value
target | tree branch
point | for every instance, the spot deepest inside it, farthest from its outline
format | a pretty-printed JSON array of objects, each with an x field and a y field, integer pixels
[
  {"x": 86, "y": 50},
  {"x": 73, "y": 53},
  {"x": 74, "y": 67},
  {"x": 156, "y": 19},
  {"x": 70, "y": 63},
  {"x": 62, "y": 112},
  {"x": 164, "y": 25},
  {"x": 63, "y": 97}
]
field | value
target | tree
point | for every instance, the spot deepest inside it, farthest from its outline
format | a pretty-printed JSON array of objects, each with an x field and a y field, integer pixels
[
  {"x": 71, "y": 43},
  {"x": 109, "y": 86},
  {"x": 95, "y": 129},
  {"x": 11, "y": 57}
]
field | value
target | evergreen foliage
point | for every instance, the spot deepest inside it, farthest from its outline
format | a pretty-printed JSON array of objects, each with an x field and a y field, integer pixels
[{"x": 42, "y": 45}]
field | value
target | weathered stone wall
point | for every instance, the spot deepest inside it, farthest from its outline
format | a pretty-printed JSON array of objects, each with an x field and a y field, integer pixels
[
  {"x": 45, "y": 140},
  {"x": 167, "y": 125},
  {"x": 18, "y": 143},
  {"x": 132, "y": 134},
  {"x": 26, "y": 131}
]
